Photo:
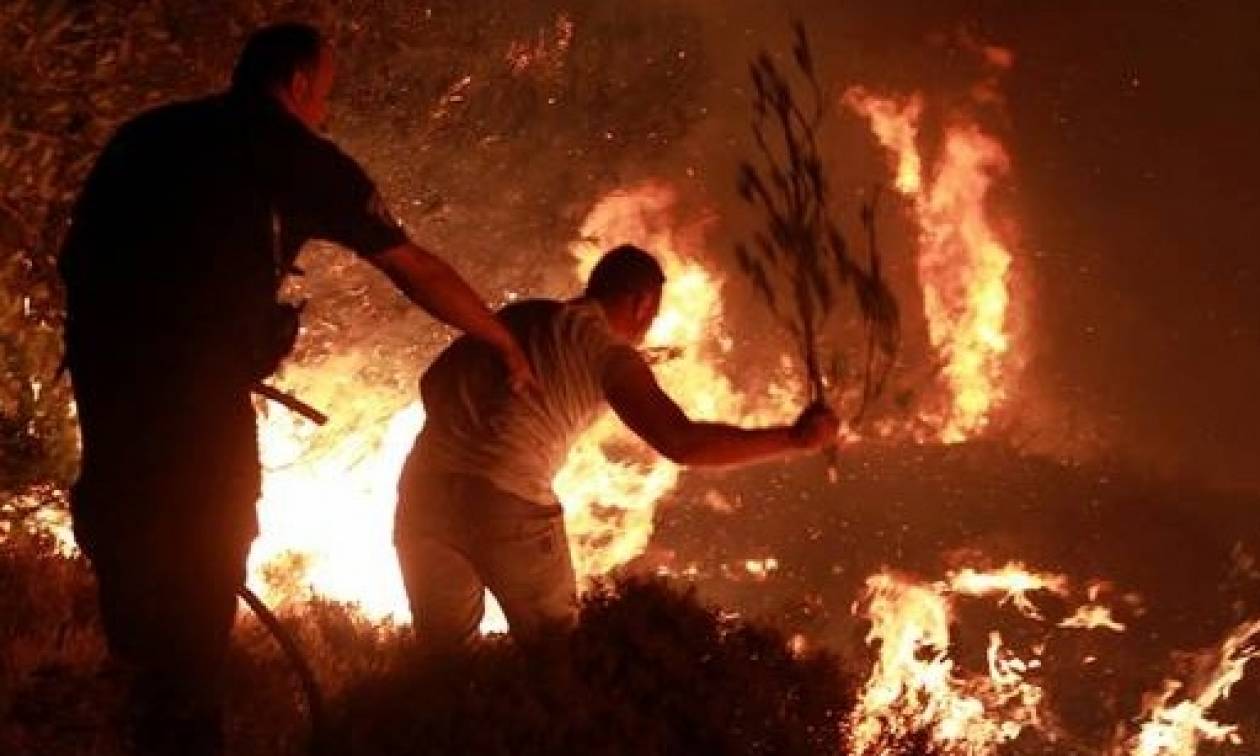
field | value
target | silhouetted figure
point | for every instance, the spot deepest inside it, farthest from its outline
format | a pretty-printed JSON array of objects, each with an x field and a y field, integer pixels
[
  {"x": 178, "y": 244},
  {"x": 476, "y": 506}
]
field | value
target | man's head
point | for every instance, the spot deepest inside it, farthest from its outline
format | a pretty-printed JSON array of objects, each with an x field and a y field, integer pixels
[
  {"x": 292, "y": 63},
  {"x": 627, "y": 282}
]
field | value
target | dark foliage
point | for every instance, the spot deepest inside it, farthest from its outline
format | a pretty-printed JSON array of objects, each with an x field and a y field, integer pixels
[{"x": 648, "y": 670}]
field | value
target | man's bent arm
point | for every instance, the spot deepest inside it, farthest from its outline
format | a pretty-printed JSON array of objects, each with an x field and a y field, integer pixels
[
  {"x": 636, "y": 397},
  {"x": 434, "y": 285}
]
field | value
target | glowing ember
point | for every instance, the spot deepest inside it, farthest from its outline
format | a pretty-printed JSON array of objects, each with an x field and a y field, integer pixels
[
  {"x": 544, "y": 50},
  {"x": 1175, "y": 729},
  {"x": 49, "y": 516},
  {"x": 1093, "y": 617},
  {"x": 963, "y": 265},
  {"x": 915, "y": 684}
]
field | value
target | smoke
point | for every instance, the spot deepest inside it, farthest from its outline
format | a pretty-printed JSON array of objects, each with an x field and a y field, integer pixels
[{"x": 1133, "y": 293}]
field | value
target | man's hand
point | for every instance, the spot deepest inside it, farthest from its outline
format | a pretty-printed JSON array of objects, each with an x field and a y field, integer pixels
[
  {"x": 436, "y": 287},
  {"x": 520, "y": 375},
  {"x": 816, "y": 427}
]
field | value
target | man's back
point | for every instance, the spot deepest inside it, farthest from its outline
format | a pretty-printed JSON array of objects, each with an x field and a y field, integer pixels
[
  {"x": 170, "y": 216},
  {"x": 186, "y": 221},
  {"x": 171, "y": 268},
  {"x": 477, "y": 426}
]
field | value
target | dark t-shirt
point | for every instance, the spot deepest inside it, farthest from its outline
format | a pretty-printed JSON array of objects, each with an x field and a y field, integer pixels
[
  {"x": 191, "y": 209},
  {"x": 171, "y": 270}
]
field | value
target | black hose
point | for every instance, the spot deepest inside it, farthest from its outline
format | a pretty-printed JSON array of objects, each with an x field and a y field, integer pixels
[{"x": 315, "y": 705}]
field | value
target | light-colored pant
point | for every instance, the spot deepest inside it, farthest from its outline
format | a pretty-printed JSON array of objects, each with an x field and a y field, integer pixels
[{"x": 457, "y": 535}]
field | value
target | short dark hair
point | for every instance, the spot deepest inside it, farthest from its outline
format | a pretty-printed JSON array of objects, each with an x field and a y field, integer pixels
[
  {"x": 273, "y": 54},
  {"x": 624, "y": 270}
]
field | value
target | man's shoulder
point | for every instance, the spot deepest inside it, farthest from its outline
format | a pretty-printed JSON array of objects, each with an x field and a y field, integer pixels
[
  {"x": 526, "y": 311},
  {"x": 567, "y": 321},
  {"x": 181, "y": 115}
]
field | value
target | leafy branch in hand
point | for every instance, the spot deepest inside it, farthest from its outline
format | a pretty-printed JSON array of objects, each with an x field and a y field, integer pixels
[{"x": 800, "y": 250}]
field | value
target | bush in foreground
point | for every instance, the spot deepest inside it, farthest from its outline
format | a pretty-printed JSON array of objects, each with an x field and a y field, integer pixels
[{"x": 648, "y": 669}]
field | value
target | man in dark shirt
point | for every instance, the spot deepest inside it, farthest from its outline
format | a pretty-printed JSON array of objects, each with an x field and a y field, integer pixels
[{"x": 178, "y": 243}]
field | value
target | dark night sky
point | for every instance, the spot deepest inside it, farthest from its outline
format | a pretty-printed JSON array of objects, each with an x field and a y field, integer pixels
[
  {"x": 1135, "y": 136},
  {"x": 1132, "y": 128}
]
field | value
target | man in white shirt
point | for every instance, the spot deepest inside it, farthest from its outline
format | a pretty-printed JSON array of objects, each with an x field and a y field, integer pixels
[{"x": 476, "y": 506}]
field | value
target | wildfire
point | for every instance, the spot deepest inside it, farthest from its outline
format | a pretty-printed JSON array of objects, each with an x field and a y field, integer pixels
[
  {"x": 329, "y": 494},
  {"x": 963, "y": 264}
]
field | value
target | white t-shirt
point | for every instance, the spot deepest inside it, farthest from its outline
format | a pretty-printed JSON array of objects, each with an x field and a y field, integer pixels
[{"x": 477, "y": 425}]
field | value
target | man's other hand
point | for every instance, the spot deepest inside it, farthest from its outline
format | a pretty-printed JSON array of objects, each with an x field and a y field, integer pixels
[{"x": 816, "y": 427}]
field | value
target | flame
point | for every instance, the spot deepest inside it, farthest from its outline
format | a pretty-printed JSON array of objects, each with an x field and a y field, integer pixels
[
  {"x": 916, "y": 686},
  {"x": 963, "y": 265},
  {"x": 1013, "y": 582},
  {"x": 327, "y": 507},
  {"x": 1176, "y": 729}
]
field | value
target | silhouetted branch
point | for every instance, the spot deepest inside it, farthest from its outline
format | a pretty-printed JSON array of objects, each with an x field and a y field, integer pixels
[{"x": 801, "y": 250}]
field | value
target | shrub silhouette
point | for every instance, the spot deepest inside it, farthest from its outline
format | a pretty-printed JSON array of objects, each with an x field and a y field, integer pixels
[{"x": 648, "y": 669}]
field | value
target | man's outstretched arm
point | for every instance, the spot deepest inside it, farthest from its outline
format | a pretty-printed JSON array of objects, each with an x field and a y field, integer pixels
[
  {"x": 434, "y": 285},
  {"x": 636, "y": 397}
]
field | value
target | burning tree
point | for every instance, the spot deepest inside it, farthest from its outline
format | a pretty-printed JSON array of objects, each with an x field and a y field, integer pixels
[{"x": 801, "y": 252}]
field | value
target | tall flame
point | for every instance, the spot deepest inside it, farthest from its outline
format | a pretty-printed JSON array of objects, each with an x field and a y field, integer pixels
[{"x": 963, "y": 265}]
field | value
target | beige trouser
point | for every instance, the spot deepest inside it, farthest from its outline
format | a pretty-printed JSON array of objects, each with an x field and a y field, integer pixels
[{"x": 458, "y": 535}]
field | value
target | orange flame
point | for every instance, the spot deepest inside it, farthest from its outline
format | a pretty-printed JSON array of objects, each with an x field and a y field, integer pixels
[
  {"x": 1177, "y": 729},
  {"x": 326, "y": 513},
  {"x": 963, "y": 265},
  {"x": 916, "y": 686}
]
